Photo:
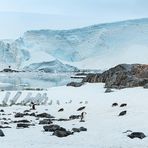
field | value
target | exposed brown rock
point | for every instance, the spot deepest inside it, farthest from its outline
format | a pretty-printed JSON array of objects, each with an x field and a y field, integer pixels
[{"x": 121, "y": 76}]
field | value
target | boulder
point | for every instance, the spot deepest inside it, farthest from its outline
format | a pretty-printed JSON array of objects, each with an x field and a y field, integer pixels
[
  {"x": 44, "y": 115},
  {"x": 19, "y": 115},
  {"x": 4, "y": 126},
  {"x": 61, "y": 110},
  {"x": 139, "y": 135},
  {"x": 145, "y": 86},
  {"x": 61, "y": 119},
  {"x": 26, "y": 111},
  {"x": 123, "y": 113},
  {"x": 108, "y": 90},
  {"x": 51, "y": 128},
  {"x": 79, "y": 129},
  {"x": 75, "y": 84},
  {"x": 83, "y": 129},
  {"x": 114, "y": 104},
  {"x": 62, "y": 133},
  {"x": 123, "y": 105},
  {"x": 1, "y": 133},
  {"x": 2, "y": 111},
  {"x": 22, "y": 121},
  {"x": 22, "y": 125},
  {"x": 45, "y": 121},
  {"x": 81, "y": 108},
  {"x": 72, "y": 117}
]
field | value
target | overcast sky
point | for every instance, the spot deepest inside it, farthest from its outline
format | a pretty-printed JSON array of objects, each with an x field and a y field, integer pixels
[{"x": 17, "y": 16}]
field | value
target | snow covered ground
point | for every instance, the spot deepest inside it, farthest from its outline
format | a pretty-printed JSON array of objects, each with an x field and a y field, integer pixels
[{"x": 104, "y": 127}]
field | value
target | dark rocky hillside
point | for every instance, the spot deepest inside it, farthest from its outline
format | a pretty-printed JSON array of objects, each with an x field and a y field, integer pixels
[{"x": 122, "y": 76}]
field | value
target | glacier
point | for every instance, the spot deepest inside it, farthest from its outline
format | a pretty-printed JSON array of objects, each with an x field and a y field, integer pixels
[{"x": 94, "y": 47}]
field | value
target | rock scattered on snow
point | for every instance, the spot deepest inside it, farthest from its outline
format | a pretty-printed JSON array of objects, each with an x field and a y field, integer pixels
[
  {"x": 123, "y": 113},
  {"x": 45, "y": 121},
  {"x": 81, "y": 108},
  {"x": 61, "y": 109},
  {"x": 45, "y": 115},
  {"x": 79, "y": 129},
  {"x": 139, "y": 135},
  {"x": 75, "y": 84},
  {"x": 108, "y": 90},
  {"x": 114, "y": 104},
  {"x": 123, "y": 105},
  {"x": 1, "y": 133}
]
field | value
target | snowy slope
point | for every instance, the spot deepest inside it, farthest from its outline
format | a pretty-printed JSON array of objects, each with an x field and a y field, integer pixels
[
  {"x": 104, "y": 127},
  {"x": 98, "y": 46}
]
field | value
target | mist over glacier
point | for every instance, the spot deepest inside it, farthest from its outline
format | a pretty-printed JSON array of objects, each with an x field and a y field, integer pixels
[{"x": 94, "y": 47}]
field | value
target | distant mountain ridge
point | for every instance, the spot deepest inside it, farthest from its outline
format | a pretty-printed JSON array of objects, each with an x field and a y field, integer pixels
[{"x": 95, "y": 47}]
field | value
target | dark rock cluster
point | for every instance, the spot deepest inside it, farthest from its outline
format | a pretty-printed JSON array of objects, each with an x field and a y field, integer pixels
[{"x": 122, "y": 76}]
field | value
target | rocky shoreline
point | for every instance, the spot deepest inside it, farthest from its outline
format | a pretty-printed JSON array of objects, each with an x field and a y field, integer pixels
[{"x": 121, "y": 76}]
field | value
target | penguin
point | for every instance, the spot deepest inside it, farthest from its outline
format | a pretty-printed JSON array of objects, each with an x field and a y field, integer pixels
[
  {"x": 82, "y": 116},
  {"x": 33, "y": 106}
]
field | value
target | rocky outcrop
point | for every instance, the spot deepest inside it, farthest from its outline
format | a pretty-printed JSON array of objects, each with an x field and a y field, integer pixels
[
  {"x": 75, "y": 84},
  {"x": 146, "y": 86},
  {"x": 121, "y": 76}
]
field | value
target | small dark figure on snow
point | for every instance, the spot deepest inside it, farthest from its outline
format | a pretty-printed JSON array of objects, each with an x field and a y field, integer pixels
[
  {"x": 33, "y": 106},
  {"x": 82, "y": 116}
]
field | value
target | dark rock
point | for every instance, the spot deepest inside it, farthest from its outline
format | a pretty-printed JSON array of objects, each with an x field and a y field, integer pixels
[
  {"x": 5, "y": 126},
  {"x": 45, "y": 121},
  {"x": 19, "y": 115},
  {"x": 145, "y": 86},
  {"x": 22, "y": 121},
  {"x": 79, "y": 129},
  {"x": 74, "y": 117},
  {"x": 51, "y": 128},
  {"x": 32, "y": 114},
  {"x": 1, "y": 133},
  {"x": 76, "y": 130},
  {"x": 114, "y": 104},
  {"x": 6, "y": 123},
  {"x": 75, "y": 84},
  {"x": 123, "y": 105},
  {"x": 44, "y": 115},
  {"x": 26, "y": 111},
  {"x": 92, "y": 78},
  {"x": 1, "y": 110},
  {"x": 121, "y": 76},
  {"x": 83, "y": 129},
  {"x": 108, "y": 90},
  {"x": 123, "y": 113},
  {"x": 62, "y": 133},
  {"x": 22, "y": 125},
  {"x": 81, "y": 108},
  {"x": 139, "y": 135},
  {"x": 61, "y": 119},
  {"x": 61, "y": 109}
]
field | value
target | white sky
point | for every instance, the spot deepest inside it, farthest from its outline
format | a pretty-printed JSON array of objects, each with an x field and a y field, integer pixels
[{"x": 18, "y": 16}]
